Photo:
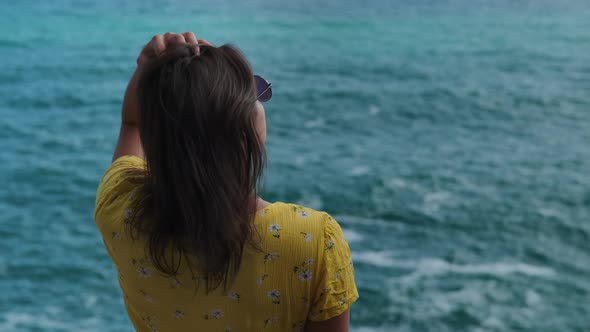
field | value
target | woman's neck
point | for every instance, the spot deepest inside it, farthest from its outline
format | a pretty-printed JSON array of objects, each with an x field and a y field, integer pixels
[{"x": 260, "y": 204}]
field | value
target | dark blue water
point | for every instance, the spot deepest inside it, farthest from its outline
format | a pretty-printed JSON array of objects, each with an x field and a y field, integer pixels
[{"x": 449, "y": 139}]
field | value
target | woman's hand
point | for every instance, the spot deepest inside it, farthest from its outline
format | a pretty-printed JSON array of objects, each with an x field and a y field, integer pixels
[
  {"x": 153, "y": 49},
  {"x": 160, "y": 43},
  {"x": 129, "y": 142}
]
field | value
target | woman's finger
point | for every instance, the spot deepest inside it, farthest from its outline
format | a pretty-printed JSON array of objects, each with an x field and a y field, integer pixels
[
  {"x": 152, "y": 49},
  {"x": 173, "y": 39},
  {"x": 204, "y": 42},
  {"x": 190, "y": 37},
  {"x": 157, "y": 44}
]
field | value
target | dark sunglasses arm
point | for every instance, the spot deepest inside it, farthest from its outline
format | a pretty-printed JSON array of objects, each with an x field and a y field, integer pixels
[{"x": 263, "y": 92}]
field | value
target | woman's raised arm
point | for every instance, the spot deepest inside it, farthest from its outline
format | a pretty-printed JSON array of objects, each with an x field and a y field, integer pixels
[{"x": 129, "y": 142}]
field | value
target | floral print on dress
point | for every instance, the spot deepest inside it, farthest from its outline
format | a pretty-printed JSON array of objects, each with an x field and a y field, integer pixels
[
  {"x": 271, "y": 256},
  {"x": 151, "y": 322},
  {"x": 302, "y": 270},
  {"x": 234, "y": 296},
  {"x": 329, "y": 244},
  {"x": 303, "y": 214},
  {"x": 307, "y": 237},
  {"x": 301, "y": 211},
  {"x": 179, "y": 314},
  {"x": 151, "y": 294},
  {"x": 260, "y": 279},
  {"x": 271, "y": 321},
  {"x": 214, "y": 314},
  {"x": 147, "y": 296},
  {"x": 305, "y": 275},
  {"x": 144, "y": 272},
  {"x": 275, "y": 230},
  {"x": 342, "y": 300},
  {"x": 275, "y": 296},
  {"x": 141, "y": 267}
]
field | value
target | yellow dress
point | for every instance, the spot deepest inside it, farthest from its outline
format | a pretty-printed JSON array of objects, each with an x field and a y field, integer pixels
[{"x": 304, "y": 271}]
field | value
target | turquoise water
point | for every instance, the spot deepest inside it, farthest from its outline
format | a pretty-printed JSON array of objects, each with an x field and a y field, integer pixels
[{"x": 449, "y": 139}]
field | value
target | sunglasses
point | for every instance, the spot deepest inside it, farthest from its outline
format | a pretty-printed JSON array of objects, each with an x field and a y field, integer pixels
[{"x": 263, "y": 89}]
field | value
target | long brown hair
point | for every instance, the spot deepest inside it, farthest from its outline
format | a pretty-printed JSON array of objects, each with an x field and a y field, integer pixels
[{"x": 204, "y": 160}]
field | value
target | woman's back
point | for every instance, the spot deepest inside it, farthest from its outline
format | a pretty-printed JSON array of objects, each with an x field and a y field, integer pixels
[{"x": 302, "y": 272}]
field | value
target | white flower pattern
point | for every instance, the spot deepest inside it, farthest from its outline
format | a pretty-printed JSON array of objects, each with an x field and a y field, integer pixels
[
  {"x": 178, "y": 314},
  {"x": 144, "y": 272},
  {"x": 271, "y": 321},
  {"x": 214, "y": 314},
  {"x": 305, "y": 275},
  {"x": 329, "y": 244},
  {"x": 303, "y": 214},
  {"x": 274, "y": 295},
  {"x": 275, "y": 230},
  {"x": 271, "y": 256},
  {"x": 342, "y": 300},
  {"x": 217, "y": 313}
]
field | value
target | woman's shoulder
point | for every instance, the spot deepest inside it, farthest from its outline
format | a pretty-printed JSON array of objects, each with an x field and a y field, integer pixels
[
  {"x": 284, "y": 217},
  {"x": 118, "y": 184},
  {"x": 285, "y": 210}
]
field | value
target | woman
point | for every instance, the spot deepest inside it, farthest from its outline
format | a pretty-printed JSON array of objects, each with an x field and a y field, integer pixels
[{"x": 195, "y": 248}]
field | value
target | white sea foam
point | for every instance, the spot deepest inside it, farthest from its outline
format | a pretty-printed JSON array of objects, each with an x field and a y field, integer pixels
[
  {"x": 532, "y": 298},
  {"x": 396, "y": 182},
  {"x": 312, "y": 201},
  {"x": 46, "y": 320},
  {"x": 434, "y": 200},
  {"x": 299, "y": 160},
  {"x": 90, "y": 301},
  {"x": 374, "y": 110},
  {"x": 550, "y": 213},
  {"x": 434, "y": 266},
  {"x": 352, "y": 236},
  {"x": 360, "y": 170},
  {"x": 12, "y": 320},
  {"x": 316, "y": 123},
  {"x": 428, "y": 267},
  {"x": 376, "y": 258}
]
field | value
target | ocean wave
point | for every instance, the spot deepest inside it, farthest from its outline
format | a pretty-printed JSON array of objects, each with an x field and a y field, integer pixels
[{"x": 427, "y": 267}]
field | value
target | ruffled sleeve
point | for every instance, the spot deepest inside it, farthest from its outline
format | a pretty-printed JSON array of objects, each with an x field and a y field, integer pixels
[
  {"x": 116, "y": 181},
  {"x": 335, "y": 290}
]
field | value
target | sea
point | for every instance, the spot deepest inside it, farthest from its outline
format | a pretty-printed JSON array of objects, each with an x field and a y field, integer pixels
[{"x": 450, "y": 139}]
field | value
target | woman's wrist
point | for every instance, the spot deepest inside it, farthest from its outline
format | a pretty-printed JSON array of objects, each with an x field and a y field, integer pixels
[{"x": 130, "y": 111}]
